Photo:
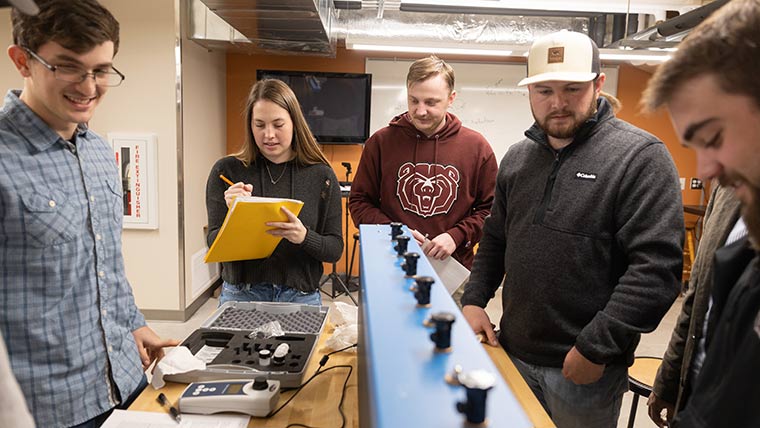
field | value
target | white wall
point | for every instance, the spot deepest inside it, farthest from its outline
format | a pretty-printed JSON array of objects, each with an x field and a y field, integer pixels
[
  {"x": 147, "y": 101},
  {"x": 204, "y": 117},
  {"x": 9, "y": 77}
]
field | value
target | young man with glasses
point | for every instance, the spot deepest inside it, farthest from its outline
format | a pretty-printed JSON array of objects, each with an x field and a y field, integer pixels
[{"x": 77, "y": 343}]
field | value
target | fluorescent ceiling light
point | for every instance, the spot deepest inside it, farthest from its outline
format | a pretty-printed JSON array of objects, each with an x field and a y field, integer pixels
[
  {"x": 429, "y": 49},
  {"x": 550, "y": 7},
  {"x": 633, "y": 56}
]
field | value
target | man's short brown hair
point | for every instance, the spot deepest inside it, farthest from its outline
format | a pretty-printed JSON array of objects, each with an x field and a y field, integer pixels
[
  {"x": 425, "y": 68},
  {"x": 726, "y": 45},
  {"x": 77, "y": 25}
]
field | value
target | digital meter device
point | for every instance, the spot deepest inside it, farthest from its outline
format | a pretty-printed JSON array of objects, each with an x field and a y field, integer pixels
[{"x": 255, "y": 398}]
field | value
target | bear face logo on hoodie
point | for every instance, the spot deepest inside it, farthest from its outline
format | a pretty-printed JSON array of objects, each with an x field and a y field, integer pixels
[{"x": 427, "y": 189}]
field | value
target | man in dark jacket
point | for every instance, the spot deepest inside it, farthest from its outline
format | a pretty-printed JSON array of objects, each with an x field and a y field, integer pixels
[
  {"x": 712, "y": 93},
  {"x": 686, "y": 351},
  {"x": 587, "y": 225}
]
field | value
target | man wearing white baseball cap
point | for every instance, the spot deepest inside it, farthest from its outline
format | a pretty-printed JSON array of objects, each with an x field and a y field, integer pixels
[{"x": 586, "y": 232}]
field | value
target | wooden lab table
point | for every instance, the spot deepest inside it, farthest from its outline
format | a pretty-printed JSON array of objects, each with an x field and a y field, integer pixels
[
  {"x": 520, "y": 388},
  {"x": 316, "y": 405}
]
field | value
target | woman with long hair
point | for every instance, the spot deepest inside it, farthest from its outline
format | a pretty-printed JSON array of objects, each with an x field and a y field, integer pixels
[{"x": 280, "y": 158}]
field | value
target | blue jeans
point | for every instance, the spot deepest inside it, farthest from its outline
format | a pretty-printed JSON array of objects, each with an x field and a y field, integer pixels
[
  {"x": 101, "y": 419},
  {"x": 596, "y": 405},
  {"x": 267, "y": 292}
]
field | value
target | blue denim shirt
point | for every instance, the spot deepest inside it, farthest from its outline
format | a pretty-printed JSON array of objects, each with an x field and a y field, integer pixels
[{"x": 66, "y": 308}]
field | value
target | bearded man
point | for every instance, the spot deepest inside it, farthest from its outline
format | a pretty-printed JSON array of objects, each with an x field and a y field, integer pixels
[{"x": 587, "y": 226}]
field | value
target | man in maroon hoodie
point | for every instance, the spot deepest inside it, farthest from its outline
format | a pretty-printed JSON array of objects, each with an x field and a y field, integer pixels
[{"x": 426, "y": 170}]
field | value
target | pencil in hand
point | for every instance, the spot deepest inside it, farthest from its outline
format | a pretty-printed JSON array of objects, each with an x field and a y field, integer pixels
[{"x": 226, "y": 180}]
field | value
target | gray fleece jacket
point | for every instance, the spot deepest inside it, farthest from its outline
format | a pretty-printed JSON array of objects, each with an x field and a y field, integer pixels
[
  {"x": 295, "y": 266},
  {"x": 590, "y": 239}
]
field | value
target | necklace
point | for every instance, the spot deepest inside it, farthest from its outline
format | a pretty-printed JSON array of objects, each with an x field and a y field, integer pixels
[{"x": 270, "y": 173}]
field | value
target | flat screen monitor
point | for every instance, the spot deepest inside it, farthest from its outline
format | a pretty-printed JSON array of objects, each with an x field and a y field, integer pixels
[{"x": 335, "y": 105}]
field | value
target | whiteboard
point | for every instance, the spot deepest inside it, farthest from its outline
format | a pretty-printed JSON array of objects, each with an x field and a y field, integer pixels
[{"x": 488, "y": 99}]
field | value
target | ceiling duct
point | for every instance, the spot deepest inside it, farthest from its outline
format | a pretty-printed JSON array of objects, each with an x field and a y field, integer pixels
[
  {"x": 347, "y": 4},
  {"x": 277, "y": 26},
  {"x": 312, "y": 27},
  {"x": 465, "y": 30},
  {"x": 668, "y": 34},
  {"x": 688, "y": 20},
  {"x": 485, "y": 10}
]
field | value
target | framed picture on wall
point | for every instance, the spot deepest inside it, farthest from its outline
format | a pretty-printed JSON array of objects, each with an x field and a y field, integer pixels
[{"x": 137, "y": 161}]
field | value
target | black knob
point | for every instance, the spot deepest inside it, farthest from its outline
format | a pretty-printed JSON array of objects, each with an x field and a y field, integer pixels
[
  {"x": 260, "y": 384},
  {"x": 402, "y": 243},
  {"x": 410, "y": 263},
  {"x": 396, "y": 229},
  {"x": 474, "y": 408},
  {"x": 442, "y": 335},
  {"x": 422, "y": 289}
]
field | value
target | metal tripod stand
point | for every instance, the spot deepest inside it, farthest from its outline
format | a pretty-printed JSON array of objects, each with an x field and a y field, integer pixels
[{"x": 334, "y": 277}]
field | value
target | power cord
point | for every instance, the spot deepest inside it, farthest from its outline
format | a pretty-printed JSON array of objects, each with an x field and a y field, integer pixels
[
  {"x": 322, "y": 363},
  {"x": 319, "y": 371},
  {"x": 328, "y": 355},
  {"x": 342, "y": 395}
]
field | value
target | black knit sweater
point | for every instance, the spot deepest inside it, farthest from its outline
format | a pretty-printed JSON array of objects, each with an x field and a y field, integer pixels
[
  {"x": 296, "y": 266},
  {"x": 590, "y": 241}
]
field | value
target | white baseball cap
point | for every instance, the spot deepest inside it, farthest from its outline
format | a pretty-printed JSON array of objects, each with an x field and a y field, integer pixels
[{"x": 566, "y": 56}]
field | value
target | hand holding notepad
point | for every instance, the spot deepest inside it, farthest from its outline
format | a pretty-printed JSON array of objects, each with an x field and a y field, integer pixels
[
  {"x": 292, "y": 230},
  {"x": 243, "y": 235}
]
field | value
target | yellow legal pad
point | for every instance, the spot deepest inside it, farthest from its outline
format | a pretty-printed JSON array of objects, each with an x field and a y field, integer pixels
[{"x": 243, "y": 234}]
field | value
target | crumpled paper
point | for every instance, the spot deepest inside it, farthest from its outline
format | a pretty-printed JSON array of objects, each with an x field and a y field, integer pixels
[
  {"x": 178, "y": 360},
  {"x": 344, "y": 317}
]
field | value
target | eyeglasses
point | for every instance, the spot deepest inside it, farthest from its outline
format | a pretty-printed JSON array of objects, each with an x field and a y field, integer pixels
[{"x": 77, "y": 75}]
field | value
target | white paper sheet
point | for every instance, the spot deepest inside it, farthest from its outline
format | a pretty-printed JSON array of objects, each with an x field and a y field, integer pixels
[
  {"x": 449, "y": 270},
  {"x": 208, "y": 353},
  {"x": 134, "y": 419}
]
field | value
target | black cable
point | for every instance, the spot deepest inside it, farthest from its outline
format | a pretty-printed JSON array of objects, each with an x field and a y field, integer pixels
[
  {"x": 342, "y": 396},
  {"x": 274, "y": 412},
  {"x": 342, "y": 349},
  {"x": 322, "y": 363},
  {"x": 319, "y": 371}
]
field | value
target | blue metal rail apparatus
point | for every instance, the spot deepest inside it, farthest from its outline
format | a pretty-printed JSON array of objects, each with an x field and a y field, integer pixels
[{"x": 401, "y": 375}]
